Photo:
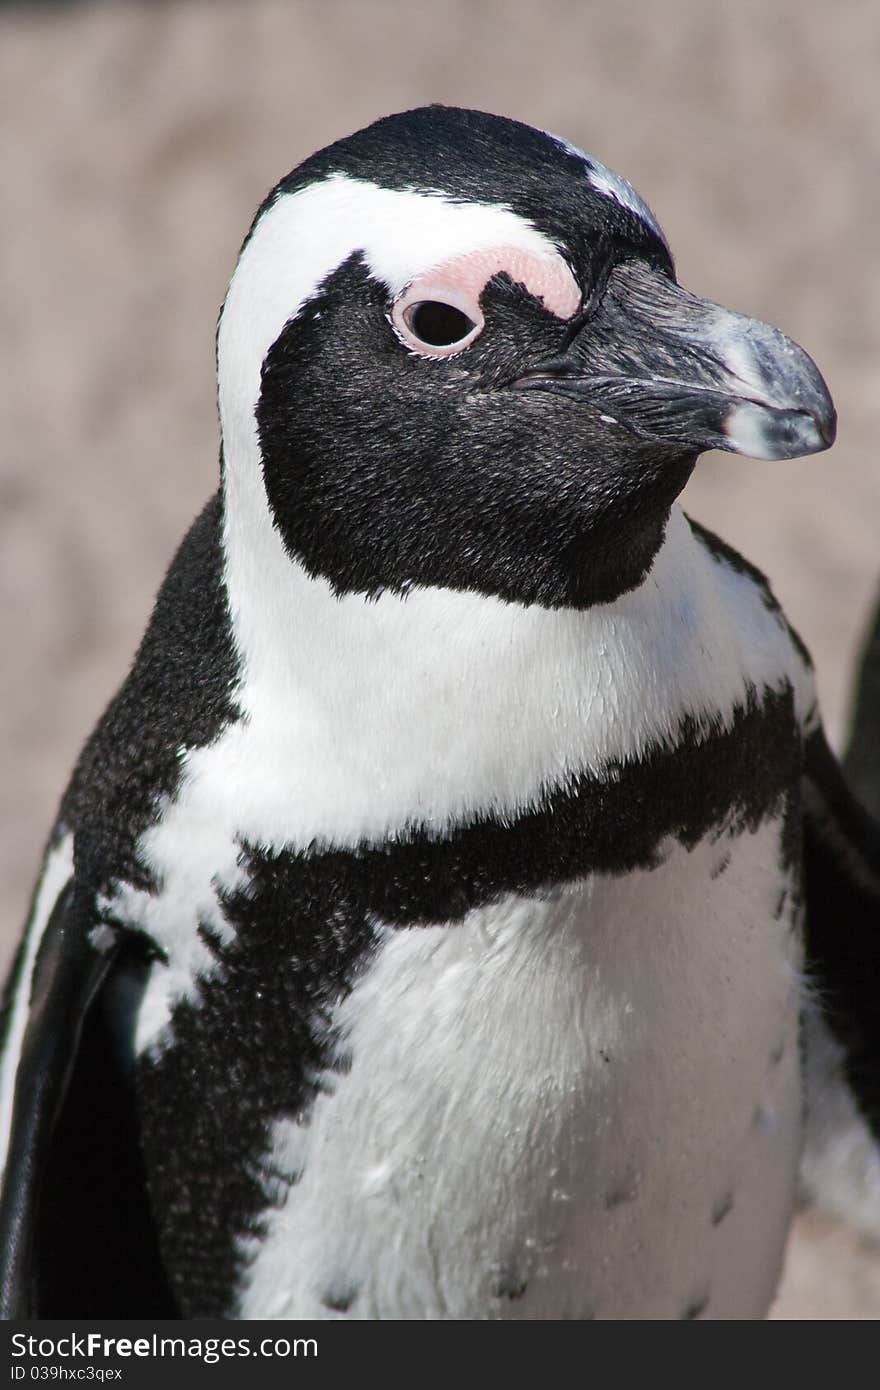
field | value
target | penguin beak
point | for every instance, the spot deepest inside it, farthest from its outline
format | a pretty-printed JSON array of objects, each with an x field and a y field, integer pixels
[{"x": 673, "y": 368}]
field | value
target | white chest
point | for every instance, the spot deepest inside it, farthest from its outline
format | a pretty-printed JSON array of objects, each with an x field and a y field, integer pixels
[{"x": 580, "y": 1105}]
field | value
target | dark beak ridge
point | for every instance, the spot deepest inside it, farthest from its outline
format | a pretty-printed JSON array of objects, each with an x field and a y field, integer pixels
[{"x": 668, "y": 366}]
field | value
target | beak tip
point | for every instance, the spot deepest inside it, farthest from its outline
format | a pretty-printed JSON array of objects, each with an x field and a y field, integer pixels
[
  {"x": 827, "y": 425},
  {"x": 764, "y": 432}
]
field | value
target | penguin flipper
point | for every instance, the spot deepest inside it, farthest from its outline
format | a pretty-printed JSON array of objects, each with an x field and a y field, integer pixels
[
  {"x": 66, "y": 975},
  {"x": 841, "y": 1164},
  {"x": 76, "y": 1237}
]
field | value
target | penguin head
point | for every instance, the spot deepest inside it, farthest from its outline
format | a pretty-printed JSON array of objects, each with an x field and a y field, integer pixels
[{"x": 454, "y": 353}]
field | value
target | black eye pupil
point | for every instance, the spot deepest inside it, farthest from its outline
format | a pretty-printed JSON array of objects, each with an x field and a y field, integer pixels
[{"x": 438, "y": 324}]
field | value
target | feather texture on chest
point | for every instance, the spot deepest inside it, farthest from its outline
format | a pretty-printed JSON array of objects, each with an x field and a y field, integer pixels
[
  {"x": 269, "y": 911},
  {"x": 517, "y": 1097},
  {"x": 307, "y": 931}
]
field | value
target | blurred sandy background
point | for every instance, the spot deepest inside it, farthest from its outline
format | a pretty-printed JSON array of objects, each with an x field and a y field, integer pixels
[{"x": 138, "y": 138}]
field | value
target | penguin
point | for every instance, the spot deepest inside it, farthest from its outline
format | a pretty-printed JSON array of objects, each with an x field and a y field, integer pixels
[{"x": 444, "y": 917}]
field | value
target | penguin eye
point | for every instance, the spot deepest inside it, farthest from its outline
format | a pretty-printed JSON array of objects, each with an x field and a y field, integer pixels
[
  {"x": 437, "y": 320},
  {"x": 438, "y": 324}
]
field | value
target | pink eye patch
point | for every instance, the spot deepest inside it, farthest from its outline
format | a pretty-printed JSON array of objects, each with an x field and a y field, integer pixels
[{"x": 439, "y": 314}]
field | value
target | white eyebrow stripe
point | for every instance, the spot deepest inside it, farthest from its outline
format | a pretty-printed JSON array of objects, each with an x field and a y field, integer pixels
[
  {"x": 612, "y": 185},
  {"x": 605, "y": 181}
]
